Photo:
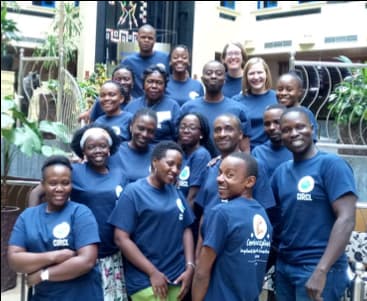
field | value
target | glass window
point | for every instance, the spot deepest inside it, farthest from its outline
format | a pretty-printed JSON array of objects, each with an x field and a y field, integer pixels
[
  {"x": 44, "y": 3},
  {"x": 266, "y": 4},
  {"x": 228, "y": 4}
]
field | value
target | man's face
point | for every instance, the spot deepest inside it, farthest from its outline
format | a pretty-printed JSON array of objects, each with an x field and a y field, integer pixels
[
  {"x": 227, "y": 135},
  {"x": 296, "y": 133},
  {"x": 213, "y": 77},
  {"x": 146, "y": 40},
  {"x": 231, "y": 177},
  {"x": 272, "y": 125}
]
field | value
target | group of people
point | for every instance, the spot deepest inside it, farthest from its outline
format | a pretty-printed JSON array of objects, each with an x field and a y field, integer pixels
[{"x": 185, "y": 192}]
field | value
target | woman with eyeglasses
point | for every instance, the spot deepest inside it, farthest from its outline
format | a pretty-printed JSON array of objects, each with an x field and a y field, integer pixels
[
  {"x": 193, "y": 137},
  {"x": 155, "y": 80},
  {"x": 234, "y": 59}
]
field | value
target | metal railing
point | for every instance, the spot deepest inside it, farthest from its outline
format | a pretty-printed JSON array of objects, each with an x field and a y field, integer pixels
[
  {"x": 320, "y": 79},
  {"x": 61, "y": 100}
]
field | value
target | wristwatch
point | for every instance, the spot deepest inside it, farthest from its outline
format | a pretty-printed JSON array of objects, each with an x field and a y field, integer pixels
[{"x": 44, "y": 275}]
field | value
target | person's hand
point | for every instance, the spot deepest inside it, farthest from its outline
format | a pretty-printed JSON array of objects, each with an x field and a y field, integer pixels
[
  {"x": 315, "y": 285},
  {"x": 85, "y": 117},
  {"x": 159, "y": 284},
  {"x": 185, "y": 279},
  {"x": 34, "y": 278},
  {"x": 63, "y": 255}
]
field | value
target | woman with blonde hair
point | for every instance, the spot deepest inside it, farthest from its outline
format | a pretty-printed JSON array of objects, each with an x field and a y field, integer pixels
[{"x": 256, "y": 95}]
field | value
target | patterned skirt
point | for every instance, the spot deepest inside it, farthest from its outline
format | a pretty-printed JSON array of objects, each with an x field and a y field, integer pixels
[{"x": 113, "y": 280}]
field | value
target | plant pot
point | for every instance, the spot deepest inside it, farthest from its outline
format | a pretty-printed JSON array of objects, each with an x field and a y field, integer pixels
[{"x": 9, "y": 214}]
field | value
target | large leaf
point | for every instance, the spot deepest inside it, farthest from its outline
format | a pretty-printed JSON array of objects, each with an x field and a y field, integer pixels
[
  {"x": 57, "y": 128},
  {"x": 28, "y": 141}
]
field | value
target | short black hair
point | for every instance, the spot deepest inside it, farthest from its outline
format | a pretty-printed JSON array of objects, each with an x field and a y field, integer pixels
[
  {"x": 160, "y": 68},
  {"x": 300, "y": 109},
  {"x": 275, "y": 106},
  {"x": 145, "y": 111},
  {"x": 119, "y": 86},
  {"x": 126, "y": 67},
  {"x": 252, "y": 165},
  {"x": 75, "y": 142},
  {"x": 55, "y": 160},
  {"x": 159, "y": 151}
]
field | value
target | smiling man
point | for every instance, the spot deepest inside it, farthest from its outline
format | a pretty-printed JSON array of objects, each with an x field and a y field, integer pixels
[
  {"x": 236, "y": 237},
  {"x": 316, "y": 195}
]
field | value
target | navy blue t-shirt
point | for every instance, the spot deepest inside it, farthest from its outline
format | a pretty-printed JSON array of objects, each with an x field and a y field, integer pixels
[
  {"x": 305, "y": 192},
  {"x": 168, "y": 113},
  {"x": 240, "y": 233},
  {"x": 73, "y": 227},
  {"x": 156, "y": 220},
  {"x": 139, "y": 63},
  {"x": 182, "y": 91}
]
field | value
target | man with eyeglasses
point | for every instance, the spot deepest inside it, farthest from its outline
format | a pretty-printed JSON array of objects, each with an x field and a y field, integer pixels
[{"x": 214, "y": 103}]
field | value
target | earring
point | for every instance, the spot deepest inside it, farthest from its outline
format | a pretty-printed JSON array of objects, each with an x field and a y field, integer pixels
[{"x": 201, "y": 137}]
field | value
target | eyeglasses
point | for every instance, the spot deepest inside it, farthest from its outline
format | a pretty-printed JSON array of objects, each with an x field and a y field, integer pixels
[{"x": 190, "y": 128}]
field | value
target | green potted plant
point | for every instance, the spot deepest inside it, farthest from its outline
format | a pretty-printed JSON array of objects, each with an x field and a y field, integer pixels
[
  {"x": 348, "y": 105},
  {"x": 19, "y": 135},
  {"x": 9, "y": 33}
]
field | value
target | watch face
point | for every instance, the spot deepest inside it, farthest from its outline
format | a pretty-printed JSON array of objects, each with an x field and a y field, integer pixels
[{"x": 44, "y": 275}]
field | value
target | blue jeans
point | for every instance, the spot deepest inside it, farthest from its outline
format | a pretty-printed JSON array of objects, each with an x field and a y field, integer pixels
[{"x": 290, "y": 282}]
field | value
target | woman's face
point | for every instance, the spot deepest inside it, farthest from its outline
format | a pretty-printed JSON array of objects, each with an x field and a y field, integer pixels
[
  {"x": 256, "y": 77},
  {"x": 180, "y": 60},
  {"x": 57, "y": 186},
  {"x": 189, "y": 131},
  {"x": 111, "y": 98},
  {"x": 233, "y": 58},
  {"x": 288, "y": 91},
  {"x": 125, "y": 77},
  {"x": 154, "y": 86},
  {"x": 96, "y": 151},
  {"x": 142, "y": 131},
  {"x": 167, "y": 169}
]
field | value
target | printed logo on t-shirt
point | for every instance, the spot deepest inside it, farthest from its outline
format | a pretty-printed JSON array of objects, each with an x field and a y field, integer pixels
[
  {"x": 60, "y": 232},
  {"x": 118, "y": 190},
  {"x": 180, "y": 207},
  {"x": 183, "y": 177},
  {"x": 305, "y": 186},
  {"x": 258, "y": 244},
  {"x": 193, "y": 94},
  {"x": 260, "y": 227},
  {"x": 116, "y": 129}
]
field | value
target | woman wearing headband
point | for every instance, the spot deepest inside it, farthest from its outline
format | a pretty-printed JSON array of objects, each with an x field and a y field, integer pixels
[{"x": 98, "y": 184}]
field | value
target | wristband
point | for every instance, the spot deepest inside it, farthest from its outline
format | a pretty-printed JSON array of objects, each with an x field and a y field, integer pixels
[
  {"x": 191, "y": 264},
  {"x": 44, "y": 275}
]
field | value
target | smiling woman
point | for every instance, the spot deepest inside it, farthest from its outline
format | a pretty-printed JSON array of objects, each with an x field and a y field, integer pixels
[
  {"x": 149, "y": 208},
  {"x": 55, "y": 243}
]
